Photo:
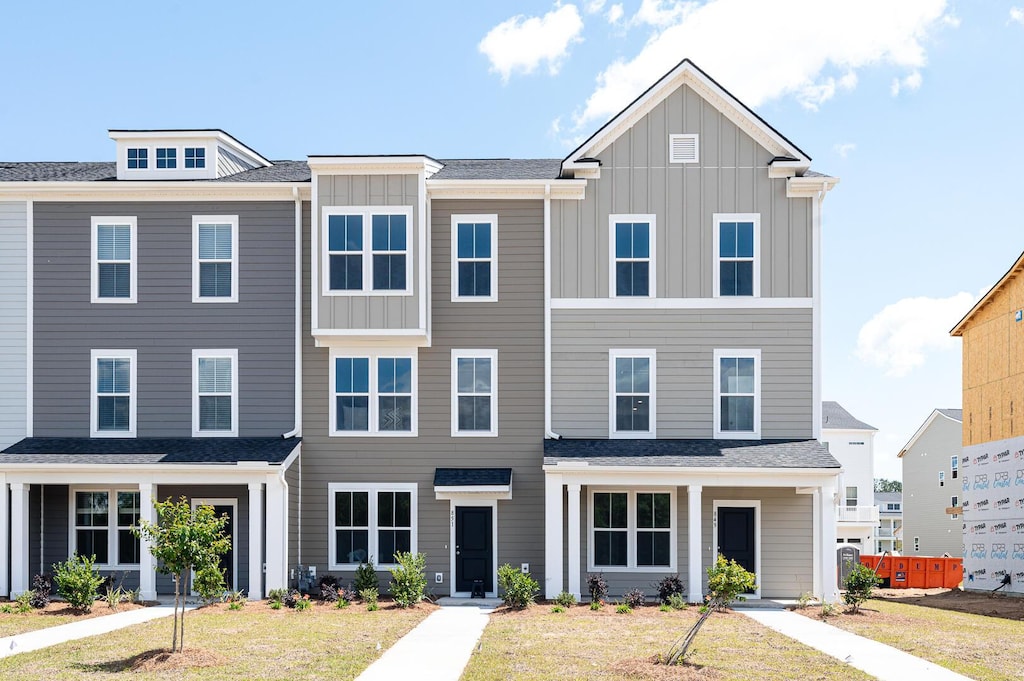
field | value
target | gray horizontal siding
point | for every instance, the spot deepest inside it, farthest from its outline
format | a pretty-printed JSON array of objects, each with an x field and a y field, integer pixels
[
  {"x": 13, "y": 310},
  {"x": 685, "y": 342},
  {"x": 164, "y": 326},
  {"x": 513, "y": 326},
  {"x": 731, "y": 177},
  {"x": 924, "y": 501}
]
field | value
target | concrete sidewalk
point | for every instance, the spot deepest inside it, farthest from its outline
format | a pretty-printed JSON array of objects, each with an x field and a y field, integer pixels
[
  {"x": 436, "y": 650},
  {"x": 43, "y": 638},
  {"x": 881, "y": 661}
]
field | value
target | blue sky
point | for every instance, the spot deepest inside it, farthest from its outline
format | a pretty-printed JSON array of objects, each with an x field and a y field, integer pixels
[{"x": 914, "y": 104}]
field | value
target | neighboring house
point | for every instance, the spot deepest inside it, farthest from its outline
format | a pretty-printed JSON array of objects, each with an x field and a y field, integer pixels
[
  {"x": 993, "y": 436},
  {"x": 14, "y": 321},
  {"x": 932, "y": 485},
  {"x": 852, "y": 442},
  {"x": 603, "y": 363},
  {"x": 889, "y": 536}
]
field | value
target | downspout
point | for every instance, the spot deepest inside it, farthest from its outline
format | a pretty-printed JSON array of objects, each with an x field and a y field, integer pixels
[
  {"x": 42, "y": 526},
  {"x": 816, "y": 208},
  {"x": 548, "y": 433},
  {"x": 297, "y": 430}
]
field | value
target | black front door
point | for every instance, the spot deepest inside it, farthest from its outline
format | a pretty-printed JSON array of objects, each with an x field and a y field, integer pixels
[
  {"x": 227, "y": 560},
  {"x": 474, "y": 550},
  {"x": 736, "y": 535}
]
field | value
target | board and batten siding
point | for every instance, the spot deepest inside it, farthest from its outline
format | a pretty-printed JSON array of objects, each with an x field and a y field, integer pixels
[
  {"x": 924, "y": 501},
  {"x": 514, "y": 326},
  {"x": 636, "y": 178},
  {"x": 13, "y": 322},
  {"x": 685, "y": 341},
  {"x": 370, "y": 311},
  {"x": 164, "y": 326}
]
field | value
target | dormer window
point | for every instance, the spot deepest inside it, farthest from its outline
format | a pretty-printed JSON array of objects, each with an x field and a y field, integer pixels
[
  {"x": 166, "y": 157},
  {"x": 195, "y": 157},
  {"x": 138, "y": 159}
]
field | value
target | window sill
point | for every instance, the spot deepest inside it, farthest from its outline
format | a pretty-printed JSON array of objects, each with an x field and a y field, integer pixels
[
  {"x": 633, "y": 435},
  {"x": 474, "y": 433},
  {"x": 654, "y": 569},
  {"x": 366, "y": 433},
  {"x": 474, "y": 299},
  {"x": 216, "y": 299},
  {"x": 113, "y": 301},
  {"x": 368, "y": 293},
  {"x": 105, "y": 435},
  {"x": 745, "y": 435},
  {"x": 214, "y": 433}
]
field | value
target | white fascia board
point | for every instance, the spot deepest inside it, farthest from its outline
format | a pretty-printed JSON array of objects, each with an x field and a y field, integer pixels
[
  {"x": 399, "y": 338},
  {"x": 784, "y": 169},
  {"x": 507, "y": 189},
  {"x": 809, "y": 187},
  {"x": 217, "y": 135},
  {"x": 177, "y": 474},
  {"x": 848, "y": 430},
  {"x": 142, "y": 190},
  {"x": 373, "y": 165}
]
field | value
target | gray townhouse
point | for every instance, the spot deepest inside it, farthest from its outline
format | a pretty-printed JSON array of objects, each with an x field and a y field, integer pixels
[{"x": 608, "y": 362}]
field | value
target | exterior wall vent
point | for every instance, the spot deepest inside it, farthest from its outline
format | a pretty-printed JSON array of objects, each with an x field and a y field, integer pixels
[{"x": 683, "y": 149}]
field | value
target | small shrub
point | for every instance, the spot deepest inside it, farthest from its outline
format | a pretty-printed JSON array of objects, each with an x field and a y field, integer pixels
[
  {"x": 23, "y": 603},
  {"x": 635, "y": 598},
  {"x": 236, "y": 605},
  {"x": 597, "y": 585},
  {"x": 408, "y": 578},
  {"x": 664, "y": 607},
  {"x": 77, "y": 581},
  {"x": 565, "y": 599},
  {"x": 329, "y": 589},
  {"x": 114, "y": 596},
  {"x": 727, "y": 580},
  {"x": 7, "y": 608},
  {"x": 275, "y": 605},
  {"x": 828, "y": 610},
  {"x": 677, "y": 602},
  {"x": 370, "y": 597},
  {"x": 40, "y": 596},
  {"x": 806, "y": 598},
  {"x": 233, "y": 597},
  {"x": 209, "y": 582},
  {"x": 669, "y": 586},
  {"x": 859, "y": 584},
  {"x": 520, "y": 588},
  {"x": 365, "y": 577},
  {"x": 595, "y": 605},
  {"x": 623, "y": 609},
  {"x": 342, "y": 603},
  {"x": 303, "y": 603},
  {"x": 292, "y": 597},
  {"x": 557, "y": 608}
]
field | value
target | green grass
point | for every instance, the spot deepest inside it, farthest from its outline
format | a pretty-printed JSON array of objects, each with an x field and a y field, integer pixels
[
  {"x": 253, "y": 643},
  {"x": 538, "y": 645},
  {"x": 981, "y": 647}
]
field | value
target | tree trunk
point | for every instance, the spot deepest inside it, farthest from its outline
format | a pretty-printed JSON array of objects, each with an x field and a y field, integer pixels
[
  {"x": 174, "y": 636},
  {"x": 184, "y": 601}
]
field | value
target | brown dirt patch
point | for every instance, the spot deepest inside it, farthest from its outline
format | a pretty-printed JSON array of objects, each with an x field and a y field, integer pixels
[
  {"x": 264, "y": 606},
  {"x": 164, "y": 660},
  {"x": 99, "y": 609},
  {"x": 648, "y": 669},
  {"x": 989, "y": 604}
]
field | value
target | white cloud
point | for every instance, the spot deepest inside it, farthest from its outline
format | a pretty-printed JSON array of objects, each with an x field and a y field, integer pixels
[
  {"x": 1017, "y": 15},
  {"x": 844, "y": 149},
  {"x": 898, "y": 338},
  {"x": 520, "y": 44},
  {"x": 661, "y": 12},
  {"x": 911, "y": 82},
  {"x": 615, "y": 13},
  {"x": 594, "y": 6},
  {"x": 815, "y": 42}
]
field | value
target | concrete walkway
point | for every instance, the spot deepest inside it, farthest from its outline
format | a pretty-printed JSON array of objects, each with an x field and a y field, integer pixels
[
  {"x": 43, "y": 638},
  {"x": 436, "y": 650},
  {"x": 881, "y": 661}
]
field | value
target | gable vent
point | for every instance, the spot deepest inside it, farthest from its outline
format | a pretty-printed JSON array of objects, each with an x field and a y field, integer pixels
[{"x": 683, "y": 149}]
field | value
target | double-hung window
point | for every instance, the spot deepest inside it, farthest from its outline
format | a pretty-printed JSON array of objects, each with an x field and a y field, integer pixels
[
  {"x": 475, "y": 258},
  {"x": 215, "y": 259},
  {"x": 366, "y": 250},
  {"x": 214, "y": 393},
  {"x": 372, "y": 393},
  {"x": 737, "y": 394},
  {"x": 954, "y": 467},
  {"x": 474, "y": 393},
  {"x": 632, "y": 270},
  {"x": 851, "y": 497},
  {"x": 114, "y": 261},
  {"x": 954, "y": 502},
  {"x": 736, "y": 246},
  {"x": 106, "y": 532},
  {"x": 632, "y": 530},
  {"x": 370, "y": 522},
  {"x": 632, "y": 397},
  {"x": 113, "y": 403}
]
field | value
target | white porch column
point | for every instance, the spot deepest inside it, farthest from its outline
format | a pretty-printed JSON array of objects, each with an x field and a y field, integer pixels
[
  {"x": 277, "y": 519},
  {"x": 5, "y": 552},
  {"x": 147, "y": 564},
  {"x": 553, "y": 564},
  {"x": 816, "y": 542},
  {"x": 19, "y": 538},
  {"x": 827, "y": 560},
  {"x": 255, "y": 541},
  {"x": 574, "y": 538},
  {"x": 695, "y": 578}
]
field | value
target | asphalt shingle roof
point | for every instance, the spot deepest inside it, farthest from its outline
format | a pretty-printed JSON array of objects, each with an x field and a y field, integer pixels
[
  {"x": 835, "y": 417},
  {"x": 467, "y": 477},
  {"x": 499, "y": 169},
  {"x": 128, "y": 451},
  {"x": 104, "y": 171},
  {"x": 692, "y": 453},
  {"x": 955, "y": 414}
]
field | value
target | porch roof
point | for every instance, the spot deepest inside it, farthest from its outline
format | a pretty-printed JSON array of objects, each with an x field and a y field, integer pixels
[
  {"x": 691, "y": 453},
  {"x": 471, "y": 477},
  {"x": 143, "y": 451}
]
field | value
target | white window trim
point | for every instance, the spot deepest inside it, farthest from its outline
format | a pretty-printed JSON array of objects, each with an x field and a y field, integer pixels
[
  {"x": 372, "y": 355},
  {"x": 716, "y": 271},
  {"x": 696, "y": 147},
  {"x": 651, "y": 354},
  {"x": 231, "y": 354},
  {"x": 942, "y": 478},
  {"x": 631, "y": 530},
  {"x": 214, "y": 220},
  {"x": 465, "y": 354},
  {"x": 132, "y": 222},
  {"x": 112, "y": 526},
  {"x": 206, "y": 157},
  {"x": 652, "y": 271},
  {"x": 954, "y": 467},
  {"x": 492, "y": 219},
  {"x": 741, "y": 503},
  {"x": 367, "y": 213},
  {"x": 133, "y": 397},
  {"x": 720, "y": 434},
  {"x": 372, "y": 488},
  {"x": 209, "y": 167}
]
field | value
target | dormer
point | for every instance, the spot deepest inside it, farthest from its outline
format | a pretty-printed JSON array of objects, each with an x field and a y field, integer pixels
[{"x": 181, "y": 155}]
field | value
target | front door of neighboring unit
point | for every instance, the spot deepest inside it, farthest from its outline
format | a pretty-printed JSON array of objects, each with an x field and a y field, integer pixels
[
  {"x": 227, "y": 560},
  {"x": 736, "y": 540},
  {"x": 474, "y": 548}
]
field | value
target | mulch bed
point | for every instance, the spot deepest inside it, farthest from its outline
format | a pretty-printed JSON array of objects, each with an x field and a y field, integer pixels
[{"x": 164, "y": 660}]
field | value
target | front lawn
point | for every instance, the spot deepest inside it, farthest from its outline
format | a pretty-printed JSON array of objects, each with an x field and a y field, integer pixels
[
  {"x": 538, "y": 645},
  {"x": 252, "y": 643}
]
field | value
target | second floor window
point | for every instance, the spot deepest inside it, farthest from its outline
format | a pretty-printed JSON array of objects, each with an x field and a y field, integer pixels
[
  {"x": 366, "y": 251},
  {"x": 474, "y": 257},
  {"x": 113, "y": 396},
  {"x": 737, "y": 271},
  {"x": 373, "y": 395},
  {"x": 851, "y": 497},
  {"x": 215, "y": 258},
  {"x": 215, "y": 394},
  {"x": 114, "y": 262},
  {"x": 954, "y": 467},
  {"x": 737, "y": 394},
  {"x": 632, "y": 393},
  {"x": 474, "y": 392},
  {"x": 632, "y": 246}
]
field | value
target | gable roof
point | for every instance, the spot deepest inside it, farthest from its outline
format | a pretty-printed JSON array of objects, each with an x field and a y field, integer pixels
[
  {"x": 1014, "y": 271},
  {"x": 834, "y": 417},
  {"x": 688, "y": 73},
  {"x": 951, "y": 414}
]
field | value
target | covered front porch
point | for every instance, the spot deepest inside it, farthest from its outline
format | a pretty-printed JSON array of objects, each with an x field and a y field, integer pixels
[{"x": 638, "y": 510}]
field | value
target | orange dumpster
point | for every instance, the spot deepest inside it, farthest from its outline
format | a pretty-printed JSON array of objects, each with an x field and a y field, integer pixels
[
  {"x": 900, "y": 573},
  {"x": 954, "y": 573},
  {"x": 935, "y": 573},
  {"x": 916, "y": 577},
  {"x": 884, "y": 566}
]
